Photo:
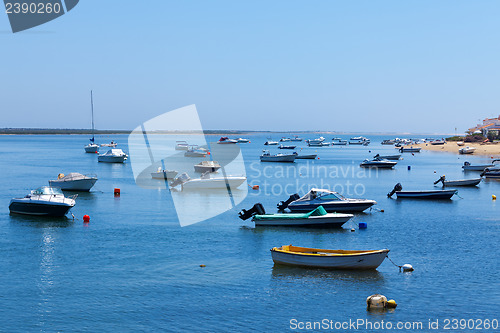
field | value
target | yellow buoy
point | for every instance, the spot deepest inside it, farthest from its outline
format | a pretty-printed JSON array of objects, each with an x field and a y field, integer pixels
[
  {"x": 391, "y": 304},
  {"x": 203, "y": 265},
  {"x": 493, "y": 197}
]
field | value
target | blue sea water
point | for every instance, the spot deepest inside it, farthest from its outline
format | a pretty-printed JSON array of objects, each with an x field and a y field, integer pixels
[{"x": 134, "y": 268}]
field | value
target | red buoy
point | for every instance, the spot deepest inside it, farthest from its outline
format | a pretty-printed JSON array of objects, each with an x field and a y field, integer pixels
[
  {"x": 86, "y": 218},
  {"x": 117, "y": 192}
]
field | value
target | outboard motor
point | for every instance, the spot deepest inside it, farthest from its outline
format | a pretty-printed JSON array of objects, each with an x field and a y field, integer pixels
[
  {"x": 484, "y": 172},
  {"x": 442, "y": 179},
  {"x": 396, "y": 188},
  {"x": 257, "y": 209},
  {"x": 182, "y": 178},
  {"x": 466, "y": 163},
  {"x": 284, "y": 204},
  {"x": 376, "y": 156}
]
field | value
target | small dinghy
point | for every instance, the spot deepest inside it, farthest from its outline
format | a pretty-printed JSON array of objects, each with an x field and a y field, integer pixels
[
  {"x": 316, "y": 218},
  {"x": 271, "y": 143},
  {"x": 44, "y": 201},
  {"x": 267, "y": 157},
  {"x": 164, "y": 174},
  {"x": 466, "y": 150},
  {"x": 74, "y": 181},
  {"x": 378, "y": 163},
  {"x": 493, "y": 171},
  {"x": 110, "y": 145},
  {"x": 304, "y": 157},
  {"x": 461, "y": 182},
  {"x": 204, "y": 166},
  {"x": 332, "y": 259},
  {"x": 389, "y": 157},
  {"x": 429, "y": 195}
]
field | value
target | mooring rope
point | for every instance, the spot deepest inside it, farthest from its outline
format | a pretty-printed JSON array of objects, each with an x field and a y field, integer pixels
[{"x": 393, "y": 262}]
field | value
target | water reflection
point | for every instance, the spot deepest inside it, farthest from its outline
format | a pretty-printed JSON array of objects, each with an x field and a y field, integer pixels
[
  {"x": 42, "y": 221},
  {"x": 286, "y": 272}
]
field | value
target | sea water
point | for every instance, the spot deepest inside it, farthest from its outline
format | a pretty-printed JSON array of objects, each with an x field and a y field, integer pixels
[{"x": 134, "y": 268}]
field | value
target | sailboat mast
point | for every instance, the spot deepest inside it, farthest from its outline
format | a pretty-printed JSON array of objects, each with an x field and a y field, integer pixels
[{"x": 92, "y": 108}]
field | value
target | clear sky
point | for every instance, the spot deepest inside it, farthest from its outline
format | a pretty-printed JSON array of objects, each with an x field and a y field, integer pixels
[{"x": 399, "y": 66}]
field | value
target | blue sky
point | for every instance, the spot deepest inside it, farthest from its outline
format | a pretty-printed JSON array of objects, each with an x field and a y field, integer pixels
[{"x": 377, "y": 66}]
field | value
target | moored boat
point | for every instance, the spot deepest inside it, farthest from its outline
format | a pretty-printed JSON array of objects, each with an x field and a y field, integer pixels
[
  {"x": 44, "y": 201},
  {"x": 207, "y": 182},
  {"x": 204, "y": 166},
  {"x": 425, "y": 194},
  {"x": 480, "y": 167},
  {"x": 271, "y": 143},
  {"x": 296, "y": 138},
  {"x": 111, "y": 145},
  {"x": 267, "y": 157},
  {"x": 286, "y": 147},
  {"x": 378, "y": 162},
  {"x": 410, "y": 149},
  {"x": 181, "y": 145},
  {"x": 92, "y": 147},
  {"x": 389, "y": 157},
  {"x": 317, "y": 217},
  {"x": 226, "y": 140},
  {"x": 241, "y": 140},
  {"x": 466, "y": 150},
  {"x": 195, "y": 151},
  {"x": 74, "y": 181},
  {"x": 331, "y": 202},
  {"x": 460, "y": 182},
  {"x": 164, "y": 174},
  {"x": 113, "y": 156},
  {"x": 493, "y": 171},
  {"x": 304, "y": 157},
  {"x": 323, "y": 258}
]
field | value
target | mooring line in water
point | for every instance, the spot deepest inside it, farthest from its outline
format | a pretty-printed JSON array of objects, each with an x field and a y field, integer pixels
[
  {"x": 405, "y": 267},
  {"x": 387, "y": 256}
]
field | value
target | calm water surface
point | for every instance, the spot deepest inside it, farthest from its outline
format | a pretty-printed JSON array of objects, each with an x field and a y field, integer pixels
[{"x": 133, "y": 268}]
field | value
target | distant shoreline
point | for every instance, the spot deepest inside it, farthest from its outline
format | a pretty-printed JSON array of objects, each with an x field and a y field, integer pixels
[{"x": 70, "y": 131}]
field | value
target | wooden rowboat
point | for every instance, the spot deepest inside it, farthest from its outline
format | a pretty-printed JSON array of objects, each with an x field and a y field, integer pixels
[{"x": 332, "y": 259}]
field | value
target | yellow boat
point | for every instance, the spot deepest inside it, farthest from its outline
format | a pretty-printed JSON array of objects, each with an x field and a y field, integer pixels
[{"x": 333, "y": 259}]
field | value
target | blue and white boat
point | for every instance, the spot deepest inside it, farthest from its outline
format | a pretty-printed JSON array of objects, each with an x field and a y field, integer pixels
[
  {"x": 44, "y": 201},
  {"x": 331, "y": 202}
]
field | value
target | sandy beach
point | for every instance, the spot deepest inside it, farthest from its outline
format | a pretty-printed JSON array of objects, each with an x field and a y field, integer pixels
[{"x": 491, "y": 149}]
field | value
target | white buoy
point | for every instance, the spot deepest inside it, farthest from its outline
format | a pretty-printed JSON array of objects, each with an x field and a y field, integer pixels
[{"x": 407, "y": 268}]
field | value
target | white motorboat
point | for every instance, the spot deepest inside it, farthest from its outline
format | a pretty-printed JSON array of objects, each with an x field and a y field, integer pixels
[
  {"x": 206, "y": 181},
  {"x": 318, "y": 144},
  {"x": 330, "y": 259},
  {"x": 204, "y": 166},
  {"x": 296, "y": 138},
  {"x": 267, "y": 157},
  {"x": 283, "y": 139},
  {"x": 331, "y": 202},
  {"x": 181, "y": 145},
  {"x": 360, "y": 140},
  {"x": 271, "y": 143},
  {"x": 318, "y": 217},
  {"x": 389, "y": 157},
  {"x": 378, "y": 163},
  {"x": 110, "y": 145},
  {"x": 92, "y": 147},
  {"x": 388, "y": 142},
  {"x": 466, "y": 150},
  {"x": 241, "y": 140},
  {"x": 460, "y": 143},
  {"x": 480, "y": 167},
  {"x": 74, "y": 181},
  {"x": 164, "y": 174},
  {"x": 438, "y": 142},
  {"x": 286, "y": 147},
  {"x": 113, "y": 156},
  {"x": 226, "y": 140},
  {"x": 44, "y": 201},
  {"x": 461, "y": 182}
]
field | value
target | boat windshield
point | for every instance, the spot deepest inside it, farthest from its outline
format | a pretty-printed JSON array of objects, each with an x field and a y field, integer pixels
[
  {"x": 323, "y": 195},
  {"x": 46, "y": 190}
]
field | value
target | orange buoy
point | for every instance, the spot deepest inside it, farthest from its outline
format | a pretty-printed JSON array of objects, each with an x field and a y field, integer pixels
[
  {"x": 117, "y": 192},
  {"x": 86, "y": 218},
  {"x": 255, "y": 187}
]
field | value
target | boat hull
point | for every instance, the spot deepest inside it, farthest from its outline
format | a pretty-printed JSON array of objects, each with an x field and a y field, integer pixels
[
  {"x": 328, "y": 220},
  {"x": 92, "y": 149},
  {"x": 333, "y": 207},
  {"x": 201, "y": 169},
  {"x": 433, "y": 195},
  {"x": 476, "y": 167},
  {"x": 360, "y": 261},
  {"x": 378, "y": 165},
  {"x": 112, "y": 159},
  {"x": 285, "y": 158},
  {"x": 38, "y": 209},
  {"x": 305, "y": 157},
  {"x": 410, "y": 150},
  {"x": 391, "y": 157},
  {"x": 83, "y": 185}
]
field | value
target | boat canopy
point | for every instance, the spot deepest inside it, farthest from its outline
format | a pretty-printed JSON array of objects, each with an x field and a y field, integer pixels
[
  {"x": 72, "y": 176},
  {"x": 47, "y": 190},
  {"x": 319, "y": 211},
  {"x": 321, "y": 194},
  {"x": 114, "y": 152}
]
